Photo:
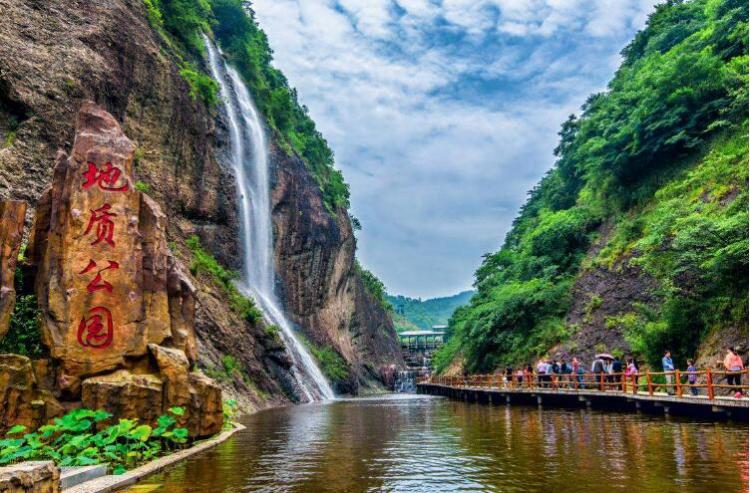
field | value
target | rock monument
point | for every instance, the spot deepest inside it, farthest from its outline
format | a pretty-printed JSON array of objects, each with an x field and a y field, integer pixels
[{"x": 118, "y": 308}]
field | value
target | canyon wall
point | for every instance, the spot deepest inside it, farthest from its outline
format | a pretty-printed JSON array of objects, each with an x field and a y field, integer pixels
[{"x": 56, "y": 54}]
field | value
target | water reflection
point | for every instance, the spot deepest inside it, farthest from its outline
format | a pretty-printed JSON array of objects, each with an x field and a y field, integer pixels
[{"x": 421, "y": 444}]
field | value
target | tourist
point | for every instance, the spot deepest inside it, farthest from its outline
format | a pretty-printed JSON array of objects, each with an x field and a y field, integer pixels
[
  {"x": 580, "y": 372},
  {"x": 509, "y": 376},
  {"x": 617, "y": 372},
  {"x": 668, "y": 367},
  {"x": 692, "y": 377},
  {"x": 565, "y": 371},
  {"x": 631, "y": 372},
  {"x": 541, "y": 373},
  {"x": 733, "y": 365},
  {"x": 575, "y": 365},
  {"x": 519, "y": 376},
  {"x": 555, "y": 373},
  {"x": 528, "y": 374},
  {"x": 598, "y": 368}
]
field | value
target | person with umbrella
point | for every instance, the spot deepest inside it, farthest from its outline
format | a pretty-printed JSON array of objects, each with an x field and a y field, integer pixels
[{"x": 599, "y": 367}]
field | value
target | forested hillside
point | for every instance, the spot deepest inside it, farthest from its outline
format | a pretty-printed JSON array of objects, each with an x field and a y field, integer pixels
[
  {"x": 637, "y": 239},
  {"x": 413, "y": 314}
]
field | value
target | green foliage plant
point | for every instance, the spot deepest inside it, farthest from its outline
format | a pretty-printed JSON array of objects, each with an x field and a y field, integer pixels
[{"x": 80, "y": 438}]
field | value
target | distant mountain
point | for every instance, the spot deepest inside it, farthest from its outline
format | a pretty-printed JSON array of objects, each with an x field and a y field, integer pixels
[{"x": 414, "y": 314}]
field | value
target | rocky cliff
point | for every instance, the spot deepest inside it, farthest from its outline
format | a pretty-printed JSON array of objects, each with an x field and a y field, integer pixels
[
  {"x": 56, "y": 54},
  {"x": 320, "y": 286}
]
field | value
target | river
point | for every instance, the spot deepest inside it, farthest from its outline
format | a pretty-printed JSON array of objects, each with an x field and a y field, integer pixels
[{"x": 427, "y": 444}]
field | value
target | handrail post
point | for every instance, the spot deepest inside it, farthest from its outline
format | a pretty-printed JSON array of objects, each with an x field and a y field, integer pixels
[
  {"x": 623, "y": 382},
  {"x": 635, "y": 383},
  {"x": 601, "y": 381},
  {"x": 678, "y": 382},
  {"x": 650, "y": 382},
  {"x": 710, "y": 383}
]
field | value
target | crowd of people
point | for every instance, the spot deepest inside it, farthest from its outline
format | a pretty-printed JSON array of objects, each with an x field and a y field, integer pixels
[{"x": 611, "y": 372}]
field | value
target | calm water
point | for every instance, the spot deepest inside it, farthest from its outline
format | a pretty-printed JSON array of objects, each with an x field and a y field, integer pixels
[{"x": 423, "y": 444}]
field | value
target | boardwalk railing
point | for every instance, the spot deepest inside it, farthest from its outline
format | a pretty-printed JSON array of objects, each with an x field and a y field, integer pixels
[{"x": 707, "y": 383}]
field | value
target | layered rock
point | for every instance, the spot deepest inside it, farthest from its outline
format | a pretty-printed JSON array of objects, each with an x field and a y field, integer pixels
[
  {"x": 12, "y": 214},
  {"x": 109, "y": 288}
]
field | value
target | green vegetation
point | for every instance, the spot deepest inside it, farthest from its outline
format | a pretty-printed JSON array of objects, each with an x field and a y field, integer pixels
[
  {"x": 224, "y": 278},
  {"x": 228, "y": 371},
  {"x": 373, "y": 285},
  {"x": 142, "y": 186},
  {"x": 180, "y": 24},
  {"x": 24, "y": 334},
  {"x": 11, "y": 127},
  {"x": 662, "y": 157},
  {"x": 415, "y": 313},
  {"x": 233, "y": 24},
  {"x": 202, "y": 86},
  {"x": 230, "y": 410},
  {"x": 73, "y": 440},
  {"x": 332, "y": 365}
]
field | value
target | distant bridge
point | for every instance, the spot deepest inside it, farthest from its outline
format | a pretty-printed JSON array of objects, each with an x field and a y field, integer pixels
[
  {"x": 418, "y": 340},
  {"x": 418, "y": 347},
  {"x": 614, "y": 392}
]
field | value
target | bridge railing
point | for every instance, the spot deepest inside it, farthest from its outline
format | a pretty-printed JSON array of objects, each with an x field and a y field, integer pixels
[{"x": 708, "y": 383}]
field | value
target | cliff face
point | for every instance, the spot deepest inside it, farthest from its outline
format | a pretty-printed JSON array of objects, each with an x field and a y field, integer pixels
[
  {"x": 319, "y": 285},
  {"x": 56, "y": 54}
]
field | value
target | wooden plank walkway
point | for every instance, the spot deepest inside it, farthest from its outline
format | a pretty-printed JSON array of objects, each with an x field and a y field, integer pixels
[{"x": 719, "y": 408}]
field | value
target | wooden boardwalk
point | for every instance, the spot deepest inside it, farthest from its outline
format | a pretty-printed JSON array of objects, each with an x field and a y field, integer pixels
[{"x": 562, "y": 395}]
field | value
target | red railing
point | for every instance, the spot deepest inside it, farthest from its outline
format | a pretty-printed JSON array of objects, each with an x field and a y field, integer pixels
[{"x": 708, "y": 383}]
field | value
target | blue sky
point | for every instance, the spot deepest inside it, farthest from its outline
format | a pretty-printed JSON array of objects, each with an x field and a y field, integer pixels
[{"x": 443, "y": 114}]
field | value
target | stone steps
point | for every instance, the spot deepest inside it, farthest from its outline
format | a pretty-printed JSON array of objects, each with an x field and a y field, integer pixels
[{"x": 73, "y": 476}]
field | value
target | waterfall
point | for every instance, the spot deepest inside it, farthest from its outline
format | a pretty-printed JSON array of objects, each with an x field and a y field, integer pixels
[{"x": 249, "y": 161}]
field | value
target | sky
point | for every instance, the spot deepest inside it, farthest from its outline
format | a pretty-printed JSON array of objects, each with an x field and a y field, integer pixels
[{"x": 442, "y": 114}]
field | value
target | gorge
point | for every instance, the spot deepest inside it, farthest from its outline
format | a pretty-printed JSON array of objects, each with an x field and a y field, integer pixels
[{"x": 179, "y": 265}]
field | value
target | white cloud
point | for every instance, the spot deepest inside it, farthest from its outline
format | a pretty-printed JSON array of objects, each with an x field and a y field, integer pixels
[{"x": 443, "y": 115}]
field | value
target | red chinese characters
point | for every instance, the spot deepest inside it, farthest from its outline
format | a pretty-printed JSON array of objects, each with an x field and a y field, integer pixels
[
  {"x": 106, "y": 177},
  {"x": 105, "y": 227},
  {"x": 99, "y": 282},
  {"x": 97, "y": 330}
]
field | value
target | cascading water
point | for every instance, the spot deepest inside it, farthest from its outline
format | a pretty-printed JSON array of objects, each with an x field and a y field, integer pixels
[{"x": 250, "y": 164}]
